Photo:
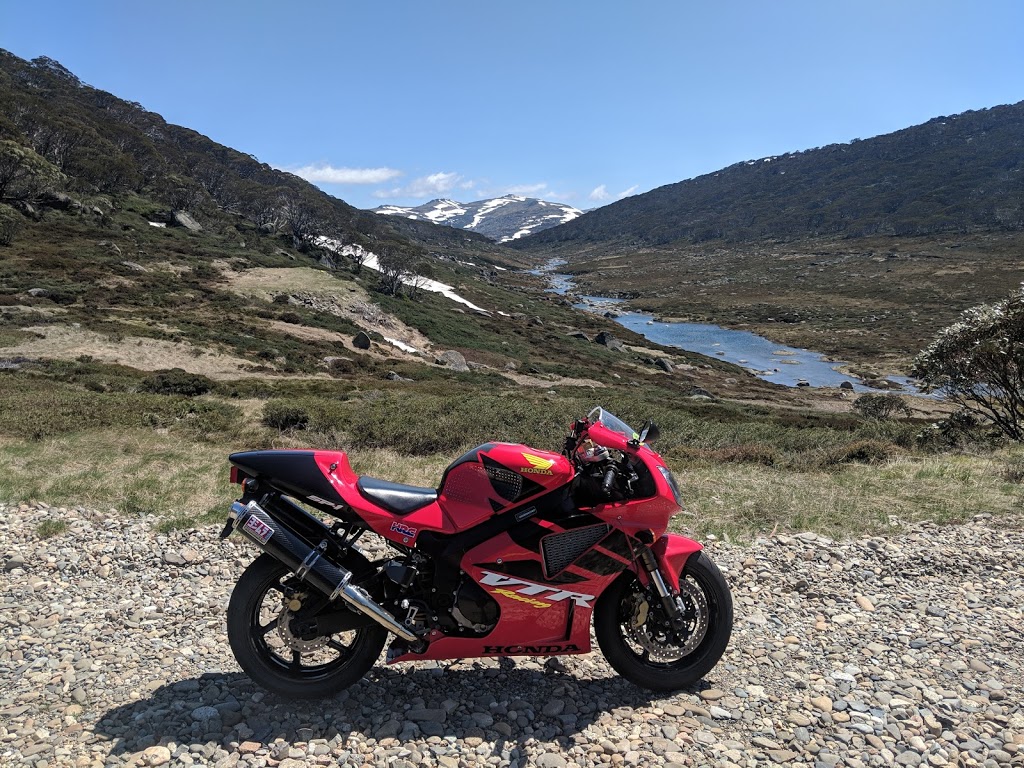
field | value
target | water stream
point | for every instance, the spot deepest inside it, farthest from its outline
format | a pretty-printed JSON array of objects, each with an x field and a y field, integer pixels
[{"x": 789, "y": 366}]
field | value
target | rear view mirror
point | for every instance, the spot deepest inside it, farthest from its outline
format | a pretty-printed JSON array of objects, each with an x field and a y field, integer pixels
[{"x": 650, "y": 432}]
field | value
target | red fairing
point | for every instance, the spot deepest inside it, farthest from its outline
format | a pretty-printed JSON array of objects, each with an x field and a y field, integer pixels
[
  {"x": 495, "y": 476},
  {"x": 672, "y": 551}
]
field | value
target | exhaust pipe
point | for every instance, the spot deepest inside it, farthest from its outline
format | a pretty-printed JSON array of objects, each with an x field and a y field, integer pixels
[{"x": 308, "y": 564}]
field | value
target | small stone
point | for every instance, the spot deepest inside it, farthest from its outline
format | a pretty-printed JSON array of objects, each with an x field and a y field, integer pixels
[
  {"x": 822, "y": 703},
  {"x": 154, "y": 756},
  {"x": 551, "y": 760},
  {"x": 864, "y": 603},
  {"x": 712, "y": 694},
  {"x": 554, "y": 707}
]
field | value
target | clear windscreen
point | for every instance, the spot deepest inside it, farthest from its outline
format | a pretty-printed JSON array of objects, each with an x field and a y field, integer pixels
[{"x": 612, "y": 422}]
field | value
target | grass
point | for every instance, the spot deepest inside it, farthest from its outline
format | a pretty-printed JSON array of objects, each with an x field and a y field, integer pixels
[
  {"x": 85, "y": 430},
  {"x": 50, "y": 528},
  {"x": 740, "y": 501},
  {"x": 744, "y": 471}
]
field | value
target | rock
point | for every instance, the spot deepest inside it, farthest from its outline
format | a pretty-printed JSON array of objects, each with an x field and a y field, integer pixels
[
  {"x": 554, "y": 707},
  {"x": 361, "y": 340},
  {"x": 173, "y": 558},
  {"x": 846, "y": 385},
  {"x": 701, "y": 392},
  {"x": 822, "y": 703},
  {"x": 551, "y": 760},
  {"x": 203, "y": 714},
  {"x": 427, "y": 715},
  {"x": 182, "y": 219},
  {"x": 14, "y": 561},
  {"x": 664, "y": 364},
  {"x": 607, "y": 339},
  {"x": 38, "y": 293},
  {"x": 154, "y": 756},
  {"x": 453, "y": 360},
  {"x": 579, "y": 335},
  {"x": 712, "y": 694},
  {"x": 864, "y": 603}
]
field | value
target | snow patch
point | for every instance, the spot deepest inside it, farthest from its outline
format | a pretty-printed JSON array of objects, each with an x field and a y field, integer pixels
[
  {"x": 402, "y": 345},
  {"x": 158, "y": 224},
  {"x": 371, "y": 262}
]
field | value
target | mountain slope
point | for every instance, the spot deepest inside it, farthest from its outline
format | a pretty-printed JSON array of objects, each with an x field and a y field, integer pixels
[
  {"x": 502, "y": 218},
  {"x": 100, "y": 144},
  {"x": 952, "y": 174}
]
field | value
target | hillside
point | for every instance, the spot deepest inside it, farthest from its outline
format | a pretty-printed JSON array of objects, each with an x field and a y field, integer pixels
[
  {"x": 956, "y": 174},
  {"x": 501, "y": 218},
  {"x": 97, "y": 144}
]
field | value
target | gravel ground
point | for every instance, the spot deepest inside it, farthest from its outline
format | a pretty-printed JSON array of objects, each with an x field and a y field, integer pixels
[{"x": 906, "y": 650}]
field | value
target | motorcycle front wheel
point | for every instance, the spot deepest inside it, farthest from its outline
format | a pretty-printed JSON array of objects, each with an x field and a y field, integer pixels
[
  {"x": 259, "y": 615},
  {"x": 637, "y": 638}
]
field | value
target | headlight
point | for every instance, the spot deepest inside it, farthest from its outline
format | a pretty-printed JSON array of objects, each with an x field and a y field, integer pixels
[{"x": 672, "y": 484}]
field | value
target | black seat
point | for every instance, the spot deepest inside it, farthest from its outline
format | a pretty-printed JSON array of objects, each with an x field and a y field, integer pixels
[{"x": 395, "y": 497}]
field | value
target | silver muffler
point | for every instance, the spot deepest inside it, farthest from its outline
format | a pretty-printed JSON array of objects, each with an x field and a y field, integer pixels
[{"x": 309, "y": 565}]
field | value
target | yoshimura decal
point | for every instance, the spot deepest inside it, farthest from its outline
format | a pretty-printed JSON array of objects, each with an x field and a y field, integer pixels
[
  {"x": 259, "y": 530},
  {"x": 404, "y": 530},
  {"x": 538, "y": 466},
  {"x": 531, "y": 589}
]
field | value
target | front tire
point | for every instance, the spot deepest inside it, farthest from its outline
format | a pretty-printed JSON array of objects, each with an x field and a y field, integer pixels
[
  {"x": 631, "y": 628},
  {"x": 258, "y": 633}
]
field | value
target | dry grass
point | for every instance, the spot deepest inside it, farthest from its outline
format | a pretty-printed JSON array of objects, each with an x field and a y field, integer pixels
[
  {"x": 742, "y": 500},
  {"x": 61, "y": 342},
  {"x": 131, "y": 471}
]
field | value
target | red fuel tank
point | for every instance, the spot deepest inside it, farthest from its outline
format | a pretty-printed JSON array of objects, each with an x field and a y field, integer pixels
[{"x": 496, "y": 476}]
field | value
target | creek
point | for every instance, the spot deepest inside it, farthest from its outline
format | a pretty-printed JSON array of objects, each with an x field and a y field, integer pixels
[{"x": 789, "y": 366}]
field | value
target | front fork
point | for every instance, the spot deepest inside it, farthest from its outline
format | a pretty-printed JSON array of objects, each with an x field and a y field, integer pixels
[
  {"x": 662, "y": 562},
  {"x": 671, "y": 601}
]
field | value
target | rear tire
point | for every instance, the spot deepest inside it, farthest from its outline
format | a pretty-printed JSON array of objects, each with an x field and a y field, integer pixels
[
  {"x": 283, "y": 664},
  {"x": 615, "y": 620}
]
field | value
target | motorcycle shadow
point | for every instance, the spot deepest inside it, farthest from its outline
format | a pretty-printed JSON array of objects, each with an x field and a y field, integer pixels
[{"x": 460, "y": 700}]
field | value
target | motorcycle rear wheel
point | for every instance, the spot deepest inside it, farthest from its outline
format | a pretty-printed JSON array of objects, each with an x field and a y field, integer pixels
[
  {"x": 707, "y": 595},
  {"x": 283, "y": 664}
]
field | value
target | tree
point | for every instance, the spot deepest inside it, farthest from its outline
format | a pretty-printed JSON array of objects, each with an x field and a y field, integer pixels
[
  {"x": 23, "y": 173},
  {"x": 978, "y": 363},
  {"x": 395, "y": 268}
]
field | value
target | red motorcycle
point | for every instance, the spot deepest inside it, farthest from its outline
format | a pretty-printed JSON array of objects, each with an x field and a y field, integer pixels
[{"x": 512, "y": 555}]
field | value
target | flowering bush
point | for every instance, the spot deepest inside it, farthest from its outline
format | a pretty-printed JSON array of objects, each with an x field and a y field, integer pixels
[{"x": 977, "y": 363}]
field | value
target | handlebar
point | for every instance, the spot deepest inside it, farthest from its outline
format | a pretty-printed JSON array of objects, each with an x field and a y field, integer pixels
[{"x": 608, "y": 482}]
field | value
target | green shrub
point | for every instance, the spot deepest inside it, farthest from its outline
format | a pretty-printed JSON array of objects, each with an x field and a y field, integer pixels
[
  {"x": 860, "y": 452},
  {"x": 283, "y": 416},
  {"x": 178, "y": 382},
  {"x": 880, "y": 407}
]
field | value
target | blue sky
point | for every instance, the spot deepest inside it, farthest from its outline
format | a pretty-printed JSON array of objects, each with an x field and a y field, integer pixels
[{"x": 580, "y": 102}]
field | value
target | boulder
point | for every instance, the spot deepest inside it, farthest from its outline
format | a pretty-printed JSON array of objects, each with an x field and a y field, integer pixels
[
  {"x": 608, "y": 340},
  {"x": 846, "y": 385},
  {"x": 361, "y": 340},
  {"x": 39, "y": 293},
  {"x": 182, "y": 219},
  {"x": 701, "y": 392},
  {"x": 579, "y": 335},
  {"x": 58, "y": 200},
  {"x": 611, "y": 315},
  {"x": 452, "y": 359},
  {"x": 664, "y": 364}
]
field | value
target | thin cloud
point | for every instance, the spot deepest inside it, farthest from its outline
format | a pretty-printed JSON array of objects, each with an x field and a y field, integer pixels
[
  {"x": 600, "y": 193},
  {"x": 425, "y": 186},
  {"x": 328, "y": 174}
]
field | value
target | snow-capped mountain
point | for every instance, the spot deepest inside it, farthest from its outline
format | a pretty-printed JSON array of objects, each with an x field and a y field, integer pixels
[{"x": 501, "y": 218}]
